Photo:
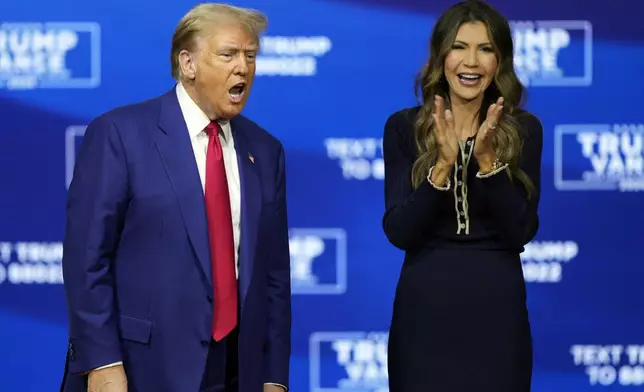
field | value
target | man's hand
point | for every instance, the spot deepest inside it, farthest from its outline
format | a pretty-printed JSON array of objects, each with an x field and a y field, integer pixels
[
  {"x": 111, "y": 379},
  {"x": 273, "y": 388}
]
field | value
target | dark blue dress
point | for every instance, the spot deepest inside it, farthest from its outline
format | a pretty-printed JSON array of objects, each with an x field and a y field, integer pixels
[{"x": 460, "y": 322}]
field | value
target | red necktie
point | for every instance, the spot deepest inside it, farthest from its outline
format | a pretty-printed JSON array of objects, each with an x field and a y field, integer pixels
[{"x": 220, "y": 228}]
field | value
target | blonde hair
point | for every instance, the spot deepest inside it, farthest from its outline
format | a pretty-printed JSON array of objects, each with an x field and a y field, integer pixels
[{"x": 203, "y": 19}]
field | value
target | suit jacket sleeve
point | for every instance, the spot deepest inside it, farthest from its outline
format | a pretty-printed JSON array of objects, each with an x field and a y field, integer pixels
[
  {"x": 278, "y": 341},
  {"x": 409, "y": 213},
  {"x": 96, "y": 204},
  {"x": 515, "y": 214}
]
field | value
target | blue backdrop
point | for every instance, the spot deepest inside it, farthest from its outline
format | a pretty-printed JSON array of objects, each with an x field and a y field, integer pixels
[{"x": 64, "y": 62}]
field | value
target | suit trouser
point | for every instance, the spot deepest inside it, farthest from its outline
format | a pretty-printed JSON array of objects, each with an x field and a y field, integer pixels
[{"x": 220, "y": 374}]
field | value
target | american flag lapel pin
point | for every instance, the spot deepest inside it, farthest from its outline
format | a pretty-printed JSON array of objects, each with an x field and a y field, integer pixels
[{"x": 251, "y": 158}]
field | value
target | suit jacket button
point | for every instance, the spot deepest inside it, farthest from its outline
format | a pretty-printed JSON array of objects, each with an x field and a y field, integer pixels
[
  {"x": 210, "y": 298},
  {"x": 205, "y": 343}
]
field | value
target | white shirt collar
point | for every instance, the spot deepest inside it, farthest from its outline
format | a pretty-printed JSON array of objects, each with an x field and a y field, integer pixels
[{"x": 196, "y": 119}]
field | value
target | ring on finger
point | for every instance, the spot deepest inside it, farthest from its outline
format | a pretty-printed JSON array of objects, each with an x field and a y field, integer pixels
[{"x": 491, "y": 126}]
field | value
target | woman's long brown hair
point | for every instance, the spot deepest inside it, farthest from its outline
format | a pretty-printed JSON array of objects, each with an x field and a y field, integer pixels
[{"x": 431, "y": 81}]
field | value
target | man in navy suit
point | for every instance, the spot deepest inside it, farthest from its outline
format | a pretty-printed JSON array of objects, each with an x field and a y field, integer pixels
[{"x": 176, "y": 260}]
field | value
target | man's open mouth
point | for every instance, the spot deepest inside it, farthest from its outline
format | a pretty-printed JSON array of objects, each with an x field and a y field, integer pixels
[{"x": 237, "y": 91}]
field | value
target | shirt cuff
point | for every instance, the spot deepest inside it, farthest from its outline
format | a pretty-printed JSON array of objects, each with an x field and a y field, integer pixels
[
  {"x": 493, "y": 172},
  {"x": 279, "y": 385},
  {"x": 447, "y": 185},
  {"x": 109, "y": 366}
]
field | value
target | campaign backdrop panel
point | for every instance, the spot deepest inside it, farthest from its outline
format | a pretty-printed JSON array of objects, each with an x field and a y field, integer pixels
[{"x": 328, "y": 76}]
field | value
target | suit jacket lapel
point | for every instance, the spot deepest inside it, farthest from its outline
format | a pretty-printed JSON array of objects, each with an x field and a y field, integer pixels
[
  {"x": 175, "y": 149},
  {"x": 251, "y": 198}
]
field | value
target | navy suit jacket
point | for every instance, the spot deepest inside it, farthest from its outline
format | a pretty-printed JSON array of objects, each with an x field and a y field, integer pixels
[{"x": 136, "y": 261}]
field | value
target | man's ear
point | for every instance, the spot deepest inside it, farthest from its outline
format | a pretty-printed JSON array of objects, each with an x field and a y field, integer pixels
[{"x": 187, "y": 64}]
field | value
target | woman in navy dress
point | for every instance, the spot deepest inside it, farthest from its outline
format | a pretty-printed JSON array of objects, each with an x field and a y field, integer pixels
[{"x": 462, "y": 179}]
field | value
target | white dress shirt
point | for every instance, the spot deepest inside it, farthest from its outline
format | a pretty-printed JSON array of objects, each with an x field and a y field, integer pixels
[{"x": 196, "y": 121}]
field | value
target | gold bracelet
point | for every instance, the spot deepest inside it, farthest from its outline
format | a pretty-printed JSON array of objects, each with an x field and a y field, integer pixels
[{"x": 495, "y": 166}]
